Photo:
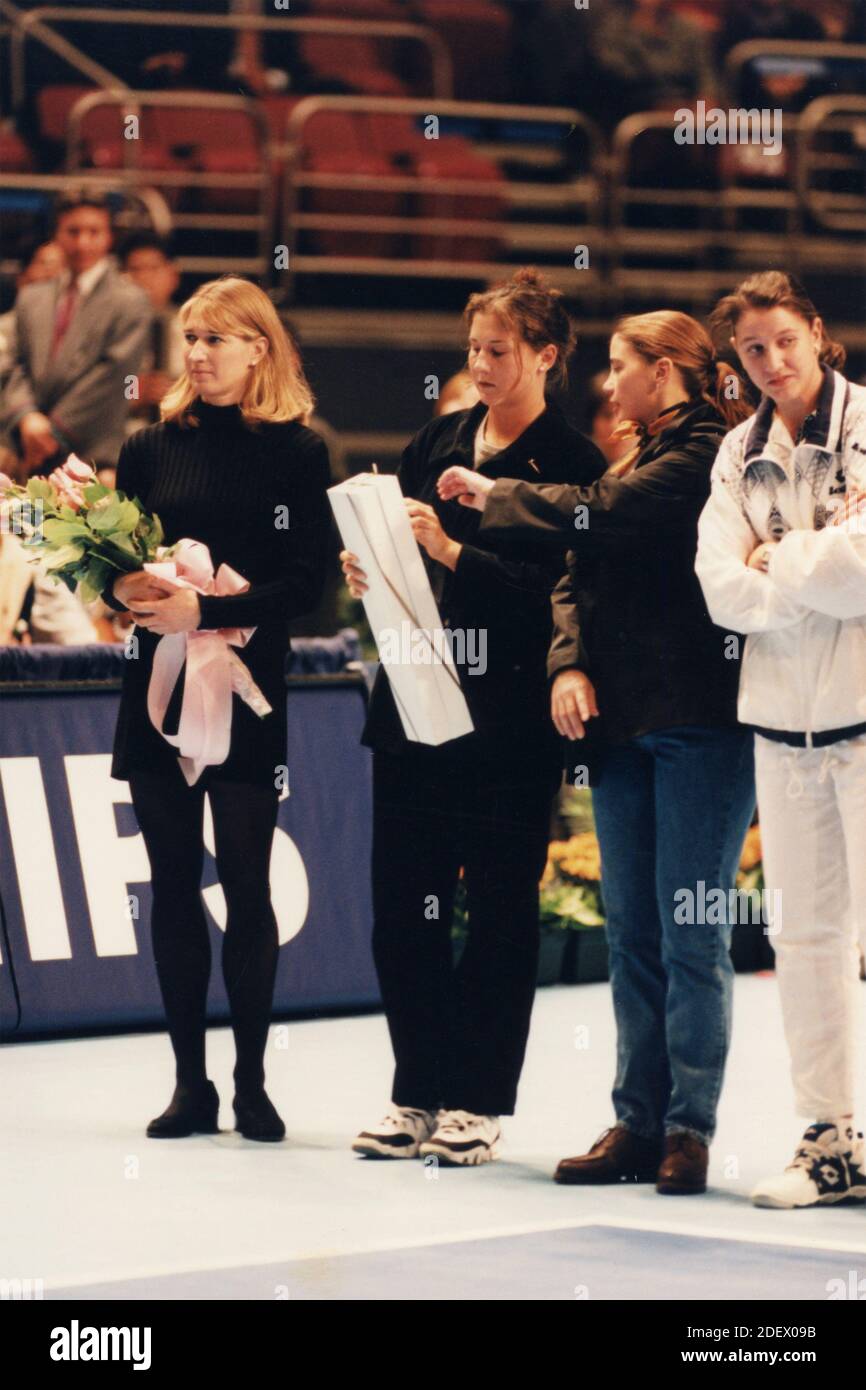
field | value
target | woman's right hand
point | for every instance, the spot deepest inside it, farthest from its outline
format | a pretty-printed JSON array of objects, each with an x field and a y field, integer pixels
[
  {"x": 572, "y": 702},
  {"x": 356, "y": 578},
  {"x": 137, "y": 586}
]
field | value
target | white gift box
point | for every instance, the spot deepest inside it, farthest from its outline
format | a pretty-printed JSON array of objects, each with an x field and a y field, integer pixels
[{"x": 401, "y": 609}]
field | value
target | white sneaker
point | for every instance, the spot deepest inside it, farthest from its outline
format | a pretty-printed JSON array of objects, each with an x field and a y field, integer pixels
[
  {"x": 462, "y": 1137},
  {"x": 399, "y": 1134},
  {"x": 828, "y": 1167}
]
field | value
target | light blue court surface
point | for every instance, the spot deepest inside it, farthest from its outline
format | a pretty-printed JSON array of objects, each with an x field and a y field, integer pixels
[
  {"x": 586, "y": 1262},
  {"x": 96, "y": 1210}
]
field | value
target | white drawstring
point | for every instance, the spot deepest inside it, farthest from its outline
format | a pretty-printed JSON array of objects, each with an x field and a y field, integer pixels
[
  {"x": 828, "y": 762},
  {"x": 795, "y": 782}
]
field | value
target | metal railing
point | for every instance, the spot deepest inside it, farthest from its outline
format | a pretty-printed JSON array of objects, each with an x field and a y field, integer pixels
[
  {"x": 26, "y": 24},
  {"x": 807, "y": 54},
  {"x": 717, "y": 240},
  {"x": 131, "y": 103},
  {"x": 836, "y": 210},
  {"x": 34, "y": 22},
  {"x": 582, "y": 192}
]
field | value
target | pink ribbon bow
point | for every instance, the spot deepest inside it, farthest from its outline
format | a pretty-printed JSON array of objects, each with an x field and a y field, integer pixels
[{"x": 213, "y": 671}]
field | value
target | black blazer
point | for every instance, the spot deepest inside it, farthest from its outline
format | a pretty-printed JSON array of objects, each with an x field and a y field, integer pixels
[
  {"x": 506, "y": 594},
  {"x": 630, "y": 612}
]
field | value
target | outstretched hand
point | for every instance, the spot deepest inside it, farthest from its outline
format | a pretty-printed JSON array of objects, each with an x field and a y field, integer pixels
[{"x": 471, "y": 489}]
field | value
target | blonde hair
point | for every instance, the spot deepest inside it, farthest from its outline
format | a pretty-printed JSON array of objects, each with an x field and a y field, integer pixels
[
  {"x": 277, "y": 389},
  {"x": 534, "y": 312}
]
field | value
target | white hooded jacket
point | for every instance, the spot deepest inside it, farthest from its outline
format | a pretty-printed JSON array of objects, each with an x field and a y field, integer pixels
[{"x": 804, "y": 665}]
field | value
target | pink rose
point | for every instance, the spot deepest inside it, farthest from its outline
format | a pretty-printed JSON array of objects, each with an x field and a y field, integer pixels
[
  {"x": 78, "y": 471},
  {"x": 67, "y": 492},
  {"x": 5, "y": 483}
]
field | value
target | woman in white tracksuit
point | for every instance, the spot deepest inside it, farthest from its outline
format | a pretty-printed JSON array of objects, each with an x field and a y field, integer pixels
[{"x": 782, "y": 558}]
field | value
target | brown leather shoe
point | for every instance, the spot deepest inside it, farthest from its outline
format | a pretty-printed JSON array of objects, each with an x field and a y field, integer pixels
[
  {"x": 684, "y": 1166},
  {"x": 618, "y": 1156}
]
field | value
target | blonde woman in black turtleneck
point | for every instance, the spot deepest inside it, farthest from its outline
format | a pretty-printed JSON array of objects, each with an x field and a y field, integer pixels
[{"x": 230, "y": 450}]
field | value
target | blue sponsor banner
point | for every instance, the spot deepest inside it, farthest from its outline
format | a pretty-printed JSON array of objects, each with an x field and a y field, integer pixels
[{"x": 74, "y": 874}]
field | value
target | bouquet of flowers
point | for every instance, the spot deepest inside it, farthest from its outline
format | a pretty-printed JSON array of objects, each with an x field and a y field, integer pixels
[
  {"x": 79, "y": 529},
  {"x": 83, "y": 532}
]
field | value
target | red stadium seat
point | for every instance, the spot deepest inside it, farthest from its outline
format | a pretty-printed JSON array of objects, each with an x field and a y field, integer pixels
[
  {"x": 336, "y": 142},
  {"x": 394, "y": 136},
  {"x": 452, "y": 158},
  {"x": 358, "y": 62},
  {"x": 15, "y": 156},
  {"x": 53, "y": 105},
  {"x": 277, "y": 110}
]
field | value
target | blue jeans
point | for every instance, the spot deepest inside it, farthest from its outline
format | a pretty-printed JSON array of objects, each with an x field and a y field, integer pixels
[{"x": 671, "y": 812}]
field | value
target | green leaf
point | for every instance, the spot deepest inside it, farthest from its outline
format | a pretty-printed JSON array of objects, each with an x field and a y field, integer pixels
[
  {"x": 39, "y": 487},
  {"x": 124, "y": 543},
  {"x": 63, "y": 555},
  {"x": 94, "y": 492},
  {"x": 573, "y": 904},
  {"x": 94, "y": 581},
  {"x": 62, "y": 531}
]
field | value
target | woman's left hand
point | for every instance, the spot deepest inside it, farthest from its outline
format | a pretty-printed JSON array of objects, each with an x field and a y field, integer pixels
[
  {"x": 470, "y": 488},
  {"x": 427, "y": 530},
  {"x": 179, "y": 612},
  {"x": 760, "y": 556}
]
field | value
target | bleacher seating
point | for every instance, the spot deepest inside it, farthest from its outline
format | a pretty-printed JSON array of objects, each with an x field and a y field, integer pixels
[{"x": 518, "y": 188}]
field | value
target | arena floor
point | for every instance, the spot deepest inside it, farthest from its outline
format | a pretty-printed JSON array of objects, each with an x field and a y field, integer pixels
[{"x": 95, "y": 1210}]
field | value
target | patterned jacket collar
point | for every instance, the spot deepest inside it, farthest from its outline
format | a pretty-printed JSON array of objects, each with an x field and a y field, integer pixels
[{"x": 821, "y": 430}]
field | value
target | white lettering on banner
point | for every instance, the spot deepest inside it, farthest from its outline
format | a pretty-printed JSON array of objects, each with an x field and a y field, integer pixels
[
  {"x": 290, "y": 889},
  {"x": 33, "y": 851},
  {"x": 109, "y": 862}
]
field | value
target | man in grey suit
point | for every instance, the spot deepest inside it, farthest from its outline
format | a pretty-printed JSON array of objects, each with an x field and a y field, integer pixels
[{"x": 80, "y": 341}]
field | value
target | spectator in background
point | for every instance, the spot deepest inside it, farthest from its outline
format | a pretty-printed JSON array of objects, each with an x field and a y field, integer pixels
[
  {"x": 145, "y": 259},
  {"x": 842, "y": 21},
  {"x": 33, "y": 608},
  {"x": 458, "y": 393},
  {"x": 776, "y": 85},
  {"x": 42, "y": 261},
  {"x": 767, "y": 19},
  {"x": 79, "y": 337},
  {"x": 644, "y": 56}
]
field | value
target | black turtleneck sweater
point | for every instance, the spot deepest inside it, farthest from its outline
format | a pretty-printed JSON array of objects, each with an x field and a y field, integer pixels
[{"x": 221, "y": 482}]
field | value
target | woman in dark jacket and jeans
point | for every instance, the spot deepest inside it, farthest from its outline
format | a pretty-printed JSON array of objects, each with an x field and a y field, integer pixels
[
  {"x": 480, "y": 802},
  {"x": 635, "y": 650}
]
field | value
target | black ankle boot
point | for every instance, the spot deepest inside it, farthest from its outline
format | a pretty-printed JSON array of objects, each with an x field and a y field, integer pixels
[
  {"x": 190, "y": 1112},
  {"x": 256, "y": 1118}
]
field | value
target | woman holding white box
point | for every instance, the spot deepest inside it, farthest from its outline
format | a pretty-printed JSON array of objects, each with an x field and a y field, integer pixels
[
  {"x": 676, "y": 791},
  {"x": 481, "y": 802}
]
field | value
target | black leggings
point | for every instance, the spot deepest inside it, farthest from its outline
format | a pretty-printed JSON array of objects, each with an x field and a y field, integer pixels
[{"x": 171, "y": 816}]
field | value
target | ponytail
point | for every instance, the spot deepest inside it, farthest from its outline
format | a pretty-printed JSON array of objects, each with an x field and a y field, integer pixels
[{"x": 726, "y": 390}]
